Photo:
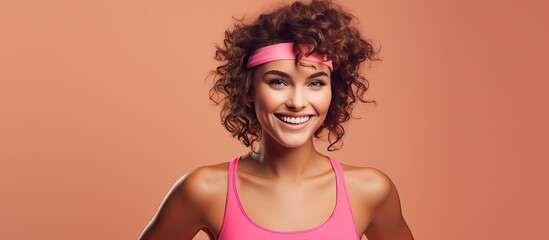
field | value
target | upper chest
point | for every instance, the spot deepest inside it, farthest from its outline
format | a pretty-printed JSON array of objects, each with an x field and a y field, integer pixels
[{"x": 293, "y": 206}]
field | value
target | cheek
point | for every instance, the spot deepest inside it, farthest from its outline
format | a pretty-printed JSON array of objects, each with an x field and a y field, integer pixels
[
  {"x": 266, "y": 101},
  {"x": 322, "y": 102}
]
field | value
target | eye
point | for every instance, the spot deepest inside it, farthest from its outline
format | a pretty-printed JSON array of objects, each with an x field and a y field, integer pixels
[
  {"x": 277, "y": 82},
  {"x": 317, "y": 84}
]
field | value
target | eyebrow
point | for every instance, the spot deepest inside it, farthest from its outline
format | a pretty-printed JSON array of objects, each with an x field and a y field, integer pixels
[
  {"x": 286, "y": 75},
  {"x": 318, "y": 74}
]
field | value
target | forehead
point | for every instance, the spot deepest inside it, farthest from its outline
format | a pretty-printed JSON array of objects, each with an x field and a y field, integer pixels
[{"x": 303, "y": 67}]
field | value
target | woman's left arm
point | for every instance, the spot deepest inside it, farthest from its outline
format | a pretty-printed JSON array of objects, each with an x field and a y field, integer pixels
[{"x": 388, "y": 222}]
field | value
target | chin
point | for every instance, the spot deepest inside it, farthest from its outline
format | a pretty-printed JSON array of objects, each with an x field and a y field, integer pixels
[
  {"x": 293, "y": 140},
  {"x": 293, "y": 143}
]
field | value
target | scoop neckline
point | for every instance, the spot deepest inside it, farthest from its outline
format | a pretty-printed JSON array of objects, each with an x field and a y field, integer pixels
[{"x": 250, "y": 220}]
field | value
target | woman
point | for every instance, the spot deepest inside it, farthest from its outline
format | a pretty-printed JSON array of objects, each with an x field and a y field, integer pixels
[{"x": 286, "y": 78}]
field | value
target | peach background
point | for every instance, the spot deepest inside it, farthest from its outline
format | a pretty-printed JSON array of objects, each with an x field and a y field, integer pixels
[{"x": 103, "y": 106}]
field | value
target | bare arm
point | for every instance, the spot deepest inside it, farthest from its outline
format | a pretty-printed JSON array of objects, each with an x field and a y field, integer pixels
[
  {"x": 180, "y": 214},
  {"x": 388, "y": 223}
]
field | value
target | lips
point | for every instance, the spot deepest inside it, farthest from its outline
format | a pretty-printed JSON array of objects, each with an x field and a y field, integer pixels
[
  {"x": 293, "y": 119},
  {"x": 294, "y": 123}
]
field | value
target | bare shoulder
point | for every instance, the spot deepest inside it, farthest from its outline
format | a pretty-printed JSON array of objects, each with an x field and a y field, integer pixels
[
  {"x": 186, "y": 206},
  {"x": 371, "y": 184},
  {"x": 375, "y": 191},
  {"x": 204, "y": 184}
]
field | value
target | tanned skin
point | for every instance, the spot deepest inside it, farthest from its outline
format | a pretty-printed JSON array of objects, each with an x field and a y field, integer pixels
[{"x": 288, "y": 176}]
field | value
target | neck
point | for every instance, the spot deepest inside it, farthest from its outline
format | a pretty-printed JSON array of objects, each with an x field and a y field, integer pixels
[{"x": 289, "y": 164}]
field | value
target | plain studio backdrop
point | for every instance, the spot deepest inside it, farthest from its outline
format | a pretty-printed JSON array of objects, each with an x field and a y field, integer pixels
[{"x": 104, "y": 105}]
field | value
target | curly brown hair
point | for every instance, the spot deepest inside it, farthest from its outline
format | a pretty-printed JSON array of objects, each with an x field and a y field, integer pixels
[{"x": 321, "y": 24}]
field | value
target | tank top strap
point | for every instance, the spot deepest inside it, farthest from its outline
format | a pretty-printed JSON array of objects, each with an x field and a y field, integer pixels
[
  {"x": 343, "y": 203},
  {"x": 238, "y": 226},
  {"x": 230, "y": 179},
  {"x": 232, "y": 217},
  {"x": 341, "y": 187}
]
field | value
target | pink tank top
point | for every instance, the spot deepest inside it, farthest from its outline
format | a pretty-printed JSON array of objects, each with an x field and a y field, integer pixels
[{"x": 237, "y": 225}]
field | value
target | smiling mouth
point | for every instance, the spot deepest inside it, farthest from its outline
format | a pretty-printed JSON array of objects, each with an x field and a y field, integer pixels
[{"x": 293, "y": 120}]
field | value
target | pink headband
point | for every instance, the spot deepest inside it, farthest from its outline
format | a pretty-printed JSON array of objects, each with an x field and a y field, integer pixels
[{"x": 282, "y": 51}]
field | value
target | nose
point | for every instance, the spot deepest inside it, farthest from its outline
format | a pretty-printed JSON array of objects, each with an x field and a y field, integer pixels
[{"x": 297, "y": 99}]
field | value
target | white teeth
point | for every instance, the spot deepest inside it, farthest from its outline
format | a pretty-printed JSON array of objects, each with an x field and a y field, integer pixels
[{"x": 295, "y": 120}]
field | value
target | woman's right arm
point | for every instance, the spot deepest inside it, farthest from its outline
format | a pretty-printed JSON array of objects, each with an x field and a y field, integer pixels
[{"x": 181, "y": 214}]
